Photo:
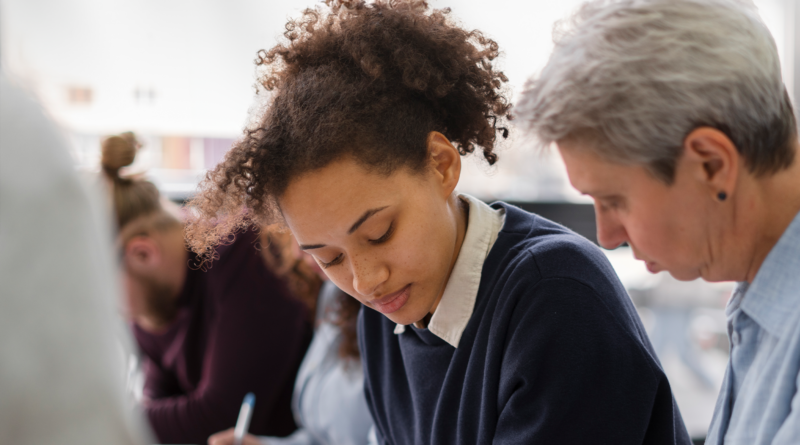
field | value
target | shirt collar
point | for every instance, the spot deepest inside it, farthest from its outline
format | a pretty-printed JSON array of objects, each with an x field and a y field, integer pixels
[
  {"x": 771, "y": 300},
  {"x": 458, "y": 300}
]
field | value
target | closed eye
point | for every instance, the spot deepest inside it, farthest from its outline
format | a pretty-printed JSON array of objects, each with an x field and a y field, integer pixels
[
  {"x": 612, "y": 203},
  {"x": 335, "y": 261},
  {"x": 608, "y": 205},
  {"x": 385, "y": 236}
]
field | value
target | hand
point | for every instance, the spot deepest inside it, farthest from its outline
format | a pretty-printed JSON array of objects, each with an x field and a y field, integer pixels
[{"x": 226, "y": 438}]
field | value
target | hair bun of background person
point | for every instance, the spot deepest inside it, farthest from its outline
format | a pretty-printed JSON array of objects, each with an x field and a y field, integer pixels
[
  {"x": 117, "y": 152},
  {"x": 132, "y": 198}
]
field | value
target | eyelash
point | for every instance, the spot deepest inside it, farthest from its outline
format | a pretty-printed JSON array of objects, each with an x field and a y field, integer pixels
[
  {"x": 335, "y": 261},
  {"x": 611, "y": 205},
  {"x": 385, "y": 237}
]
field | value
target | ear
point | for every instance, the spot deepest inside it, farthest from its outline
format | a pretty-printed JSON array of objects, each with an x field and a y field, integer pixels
[
  {"x": 713, "y": 159},
  {"x": 142, "y": 255},
  {"x": 445, "y": 160}
]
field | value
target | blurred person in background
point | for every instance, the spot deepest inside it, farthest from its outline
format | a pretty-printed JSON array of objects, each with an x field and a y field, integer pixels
[
  {"x": 482, "y": 324},
  {"x": 673, "y": 116},
  {"x": 208, "y": 337},
  {"x": 61, "y": 375},
  {"x": 328, "y": 400}
]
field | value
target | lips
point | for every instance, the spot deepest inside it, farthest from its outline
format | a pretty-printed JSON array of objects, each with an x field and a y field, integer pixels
[
  {"x": 652, "y": 267},
  {"x": 391, "y": 302}
]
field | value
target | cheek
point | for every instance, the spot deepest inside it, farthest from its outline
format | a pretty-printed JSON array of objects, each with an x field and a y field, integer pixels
[
  {"x": 420, "y": 252},
  {"x": 662, "y": 230},
  {"x": 342, "y": 278},
  {"x": 651, "y": 237}
]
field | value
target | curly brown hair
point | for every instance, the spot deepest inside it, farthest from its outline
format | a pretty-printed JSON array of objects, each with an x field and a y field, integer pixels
[{"x": 369, "y": 81}]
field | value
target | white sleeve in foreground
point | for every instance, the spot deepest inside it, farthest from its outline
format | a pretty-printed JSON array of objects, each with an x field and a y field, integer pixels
[{"x": 61, "y": 380}]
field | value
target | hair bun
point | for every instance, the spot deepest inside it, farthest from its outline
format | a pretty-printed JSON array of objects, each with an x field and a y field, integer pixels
[{"x": 118, "y": 152}]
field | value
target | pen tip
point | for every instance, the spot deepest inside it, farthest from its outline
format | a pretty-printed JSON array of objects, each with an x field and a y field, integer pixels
[{"x": 249, "y": 398}]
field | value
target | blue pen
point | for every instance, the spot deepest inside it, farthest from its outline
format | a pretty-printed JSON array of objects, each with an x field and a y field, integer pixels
[{"x": 243, "y": 423}]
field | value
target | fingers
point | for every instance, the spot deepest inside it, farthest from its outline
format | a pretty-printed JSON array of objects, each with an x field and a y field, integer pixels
[
  {"x": 223, "y": 438},
  {"x": 249, "y": 439},
  {"x": 226, "y": 438}
]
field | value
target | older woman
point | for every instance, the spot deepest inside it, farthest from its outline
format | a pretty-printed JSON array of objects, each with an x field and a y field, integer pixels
[{"x": 672, "y": 115}]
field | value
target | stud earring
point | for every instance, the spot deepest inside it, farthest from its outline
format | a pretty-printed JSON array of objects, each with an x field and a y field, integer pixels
[{"x": 722, "y": 196}]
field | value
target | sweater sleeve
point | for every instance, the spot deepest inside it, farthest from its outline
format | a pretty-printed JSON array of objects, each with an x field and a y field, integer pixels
[
  {"x": 573, "y": 374},
  {"x": 255, "y": 343}
]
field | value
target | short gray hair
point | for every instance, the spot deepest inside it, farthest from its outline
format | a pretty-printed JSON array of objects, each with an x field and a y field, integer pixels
[{"x": 635, "y": 77}]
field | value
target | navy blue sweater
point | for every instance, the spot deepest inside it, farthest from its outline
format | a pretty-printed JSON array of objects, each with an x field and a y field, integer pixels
[{"x": 554, "y": 353}]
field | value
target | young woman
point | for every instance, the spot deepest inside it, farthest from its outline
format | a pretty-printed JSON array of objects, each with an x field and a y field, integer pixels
[{"x": 483, "y": 324}]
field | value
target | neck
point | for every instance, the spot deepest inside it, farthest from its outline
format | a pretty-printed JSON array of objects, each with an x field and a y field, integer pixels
[
  {"x": 460, "y": 212},
  {"x": 773, "y": 205}
]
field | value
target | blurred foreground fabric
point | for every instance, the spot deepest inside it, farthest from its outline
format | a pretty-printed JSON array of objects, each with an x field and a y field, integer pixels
[{"x": 61, "y": 366}]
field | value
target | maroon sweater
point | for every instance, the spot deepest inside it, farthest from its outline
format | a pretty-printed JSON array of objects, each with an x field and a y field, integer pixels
[{"x": 238, "y": 330}]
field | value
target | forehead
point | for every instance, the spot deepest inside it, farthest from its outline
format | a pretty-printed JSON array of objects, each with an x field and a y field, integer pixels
[
  {"x": 592, "y": 174},
  {"x": 329, "y": 200}
]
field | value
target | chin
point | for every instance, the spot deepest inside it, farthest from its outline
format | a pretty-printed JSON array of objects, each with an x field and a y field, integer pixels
[
  {"x": 413, "y": 311},
  {"x": 684, "y": 275},
  {"x": 405, "y": 316}
]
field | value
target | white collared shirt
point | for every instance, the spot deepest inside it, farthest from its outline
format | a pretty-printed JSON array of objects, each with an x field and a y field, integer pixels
[{"x": 458, "y": 301}]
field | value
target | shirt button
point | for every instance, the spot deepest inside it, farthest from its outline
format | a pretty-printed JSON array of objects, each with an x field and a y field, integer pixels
[{"x": 735, "y": 338}]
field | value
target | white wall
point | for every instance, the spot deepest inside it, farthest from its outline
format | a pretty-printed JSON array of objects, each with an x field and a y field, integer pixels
[{"x": 197, "y": 58}]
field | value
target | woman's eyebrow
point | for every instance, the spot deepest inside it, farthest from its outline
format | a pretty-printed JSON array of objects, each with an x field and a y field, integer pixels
[
  {"x": 363, "y": 218},
  {"x": 352, "y": 229}
]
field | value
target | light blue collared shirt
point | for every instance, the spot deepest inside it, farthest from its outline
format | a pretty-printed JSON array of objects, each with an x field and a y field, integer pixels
[{"x": 759, "y": 402}]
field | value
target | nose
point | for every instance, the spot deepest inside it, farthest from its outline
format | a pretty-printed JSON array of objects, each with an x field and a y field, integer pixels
[
  {"x": 611, "y": 232},
  {"x": 368, "y": 275}
]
